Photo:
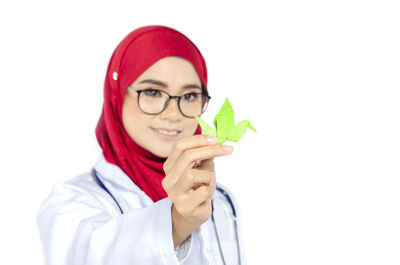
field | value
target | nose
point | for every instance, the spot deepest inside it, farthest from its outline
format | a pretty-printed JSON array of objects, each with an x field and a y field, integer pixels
[{"x": 172, "y": 112}]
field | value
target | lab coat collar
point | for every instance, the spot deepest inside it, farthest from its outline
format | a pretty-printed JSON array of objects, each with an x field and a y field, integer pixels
[{"x": 115, "y": 175}]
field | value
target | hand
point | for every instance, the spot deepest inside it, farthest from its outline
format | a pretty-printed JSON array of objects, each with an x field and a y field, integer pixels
[{"x": 191, "y": 189}]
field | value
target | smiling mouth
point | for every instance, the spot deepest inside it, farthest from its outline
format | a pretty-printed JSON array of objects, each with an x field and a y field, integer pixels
[{"x": 167, "y": 132}]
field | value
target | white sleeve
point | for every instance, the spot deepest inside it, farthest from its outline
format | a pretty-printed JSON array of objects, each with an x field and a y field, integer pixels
[
  {"x": 182, "y": 250},
  {"x": 75, "y": 229}
]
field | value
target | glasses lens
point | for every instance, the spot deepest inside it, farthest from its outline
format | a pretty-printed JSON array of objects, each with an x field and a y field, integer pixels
[
  {"x": 152, "y": 101},
  {"x": 193, "y": 104}
]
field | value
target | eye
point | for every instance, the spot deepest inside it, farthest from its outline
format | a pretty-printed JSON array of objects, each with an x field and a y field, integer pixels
[
  {"x": 191, "y": 96},
  {"x": 152, "y": 92}
]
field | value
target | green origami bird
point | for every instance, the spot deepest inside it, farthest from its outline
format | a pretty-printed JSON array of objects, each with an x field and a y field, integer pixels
[{"x": 225, "y": 125}]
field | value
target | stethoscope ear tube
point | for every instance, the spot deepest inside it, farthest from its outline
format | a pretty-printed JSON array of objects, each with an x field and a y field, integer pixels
[
  {"x": 100, "y": 183},
  {"x": 216, "y": 232},
  {"x": 227, "y": 197}
]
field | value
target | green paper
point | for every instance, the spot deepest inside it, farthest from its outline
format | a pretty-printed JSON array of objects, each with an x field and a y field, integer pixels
[{"x": 225, "y": 128}]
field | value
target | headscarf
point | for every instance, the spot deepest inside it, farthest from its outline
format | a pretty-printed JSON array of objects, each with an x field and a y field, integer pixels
[{"x": 135, "y": 53}]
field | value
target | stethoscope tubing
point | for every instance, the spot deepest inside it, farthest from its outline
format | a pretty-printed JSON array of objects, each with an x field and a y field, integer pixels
[
  {"x": 228, "y": 198},
  {"x": 224, "y": 193}
]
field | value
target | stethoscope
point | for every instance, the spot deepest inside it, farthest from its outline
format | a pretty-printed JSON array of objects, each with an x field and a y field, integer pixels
[
  {"x": 228, "y": 199},
  {"x": 223, "y": 192}
]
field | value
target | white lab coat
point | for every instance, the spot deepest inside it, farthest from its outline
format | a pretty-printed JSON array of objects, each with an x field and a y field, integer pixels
[{"x": 80, "y": 224}]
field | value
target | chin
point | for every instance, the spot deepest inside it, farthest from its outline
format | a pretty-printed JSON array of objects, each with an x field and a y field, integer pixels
[
  {"x": 163, "y": 155},
  {"x": 164, "y": 152}
]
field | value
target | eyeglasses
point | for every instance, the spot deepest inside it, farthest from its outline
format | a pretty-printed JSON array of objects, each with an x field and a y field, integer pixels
[{"x": 154, "y": 101}]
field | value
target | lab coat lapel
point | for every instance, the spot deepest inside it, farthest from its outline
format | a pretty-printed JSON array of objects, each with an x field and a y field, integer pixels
[{"x": 118, "y": 182}]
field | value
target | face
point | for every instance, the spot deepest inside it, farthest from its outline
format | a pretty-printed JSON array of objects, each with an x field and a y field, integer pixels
[{"x": 155, "y": 133}]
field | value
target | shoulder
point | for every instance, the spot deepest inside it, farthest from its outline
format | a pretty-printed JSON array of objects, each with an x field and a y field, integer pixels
[
  {"x": 79, "y": 192},
  {"x": 79, "y": 186}
]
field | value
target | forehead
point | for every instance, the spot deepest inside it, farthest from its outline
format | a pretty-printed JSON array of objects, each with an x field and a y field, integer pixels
[{"x": 171, "y": 70}]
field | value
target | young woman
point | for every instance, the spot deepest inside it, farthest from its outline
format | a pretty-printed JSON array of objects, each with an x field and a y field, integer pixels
[{"x": 152, "y": 197}]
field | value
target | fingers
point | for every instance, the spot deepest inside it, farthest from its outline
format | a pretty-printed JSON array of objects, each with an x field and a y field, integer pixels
[
  {"x": 190, "y": 180},
  {"x": 203, "y": 193},
  {"x": 191, "y": 204},
  {"x": 207, "y": 164},
  {"x": 193, "y": 179},
  {"x": 189, "y": 157},
  {"x": 191, "y": 189},
  {"x": 186, "y": 143}
]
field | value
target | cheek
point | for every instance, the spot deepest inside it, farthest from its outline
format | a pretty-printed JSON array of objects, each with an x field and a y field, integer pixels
[
  {"x": 133, "y": 119},
  {"x": 191, "y": 126}
]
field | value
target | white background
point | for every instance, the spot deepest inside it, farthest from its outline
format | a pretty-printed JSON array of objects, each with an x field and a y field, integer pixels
[{"x": 319, "y": 181}]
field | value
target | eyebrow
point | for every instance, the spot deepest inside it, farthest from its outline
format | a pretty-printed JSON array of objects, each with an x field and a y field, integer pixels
[{"x": 159, "y": 83}]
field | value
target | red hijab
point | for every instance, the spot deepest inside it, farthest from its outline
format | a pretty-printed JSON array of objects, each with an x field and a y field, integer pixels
[{"x": 134, "y": 54}]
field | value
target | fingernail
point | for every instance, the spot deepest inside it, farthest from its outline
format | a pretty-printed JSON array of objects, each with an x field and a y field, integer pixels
[
  {"x": 212, "y": 139},
  {"x": 227, "y": 148}
]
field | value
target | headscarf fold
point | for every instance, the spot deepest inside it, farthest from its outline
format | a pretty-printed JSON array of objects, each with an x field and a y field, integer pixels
[{"x": 135, "y": 53}]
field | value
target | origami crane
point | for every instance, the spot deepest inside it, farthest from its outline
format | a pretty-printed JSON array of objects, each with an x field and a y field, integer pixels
[{"x": 225, "y": 125}]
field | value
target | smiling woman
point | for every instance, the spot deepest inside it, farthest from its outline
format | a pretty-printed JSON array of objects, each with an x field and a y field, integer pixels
[
  {"x": 158, "y": 131},
  {"x": 152, "y": 197}
]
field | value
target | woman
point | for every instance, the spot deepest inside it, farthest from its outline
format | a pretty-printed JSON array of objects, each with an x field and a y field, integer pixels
[{"x": 148, "y": 199}]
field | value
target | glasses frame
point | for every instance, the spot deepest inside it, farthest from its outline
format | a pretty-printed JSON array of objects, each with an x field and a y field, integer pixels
[{"x": 203, "y": 95}]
